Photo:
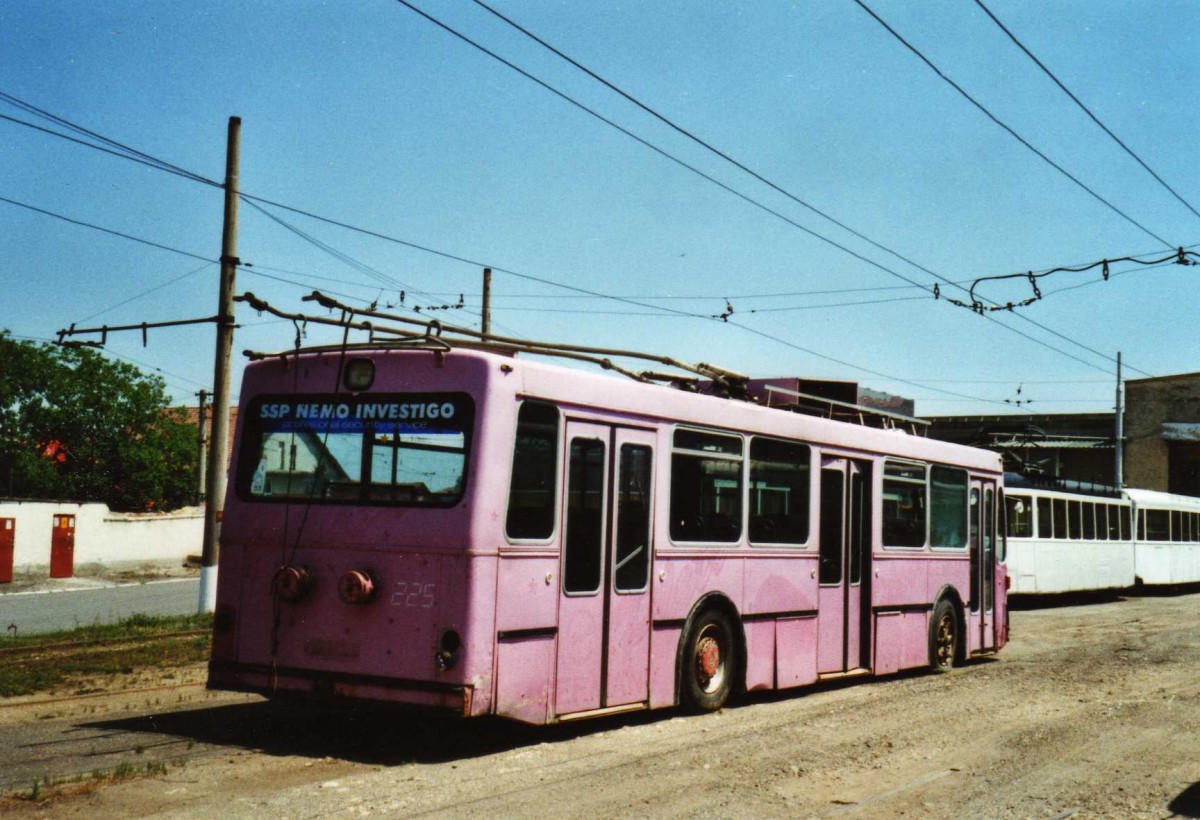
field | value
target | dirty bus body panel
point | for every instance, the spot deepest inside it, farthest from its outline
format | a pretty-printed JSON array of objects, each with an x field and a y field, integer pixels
[{"x": 492, "y": 535}]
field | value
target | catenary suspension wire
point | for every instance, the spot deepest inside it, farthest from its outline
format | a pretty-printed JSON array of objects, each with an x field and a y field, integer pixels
[
  {"x": 148, "y": 291},
  {"x": 1083, "y": 107}
]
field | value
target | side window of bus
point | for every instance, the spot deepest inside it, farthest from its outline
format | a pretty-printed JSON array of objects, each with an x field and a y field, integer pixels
[
  {"x": 1045, "y": 519},
  {"x": 1019, "y": 512},
  {"x": 706, "y": 487},
  {"x": 1158, "y": 525},
  {"x": 1060, "y": 518},
  {"x": 1176, "y": 525},
  {"x": 534, "y": 491},
  {"x": 779, "y": 491},
  {"x": 632, "y": 567},
  {"x": 948, "y": 511},
  {"x": 904, "y": 504},
  {"x": 1114, "y": 522},
  {"x": 583, "y": 544},
  {"x": 1126, "y": 523},
  {"x": 1089, "y": 521}
]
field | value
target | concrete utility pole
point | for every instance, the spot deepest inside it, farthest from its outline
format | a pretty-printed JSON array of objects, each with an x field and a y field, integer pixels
[
  {"x": 218, "y": 457},
  {"x": 487, "y": 302},
  {"x": 201, "y": 446},
  {"x": 1119, "y": 432}
]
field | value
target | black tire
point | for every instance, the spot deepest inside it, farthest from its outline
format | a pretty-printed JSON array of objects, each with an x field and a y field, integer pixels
[
  {"x": 708, "y": 663},
  {"x": 943, "y": 637}
]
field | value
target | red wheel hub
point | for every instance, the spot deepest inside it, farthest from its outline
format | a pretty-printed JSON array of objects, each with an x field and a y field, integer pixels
[{"x": 708, "y": 655}]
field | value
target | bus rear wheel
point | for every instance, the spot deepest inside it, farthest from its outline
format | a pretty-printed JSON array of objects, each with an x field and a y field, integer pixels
[
  {"x": 943, "y": 637},
  {"x": 709, "y": 662}
]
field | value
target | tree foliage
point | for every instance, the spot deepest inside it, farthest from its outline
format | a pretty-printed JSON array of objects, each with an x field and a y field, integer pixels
[{"x": 77, "y": 426}]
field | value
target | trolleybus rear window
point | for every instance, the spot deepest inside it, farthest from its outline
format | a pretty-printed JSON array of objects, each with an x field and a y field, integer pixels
[{"x": 398, "y": 449}]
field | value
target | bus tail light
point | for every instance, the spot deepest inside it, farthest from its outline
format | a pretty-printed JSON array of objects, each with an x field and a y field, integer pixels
[
  {"x": 447, "y": 656},
  {"x": 292, "y": 583},
  {"x": 356, "y": 587}
]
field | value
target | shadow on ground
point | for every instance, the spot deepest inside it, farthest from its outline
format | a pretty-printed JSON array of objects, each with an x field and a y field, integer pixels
[
  {"x": 363, "y": 733},
  {"x": 381, "y": 734},
  {"x": 1187, "y": 803}
]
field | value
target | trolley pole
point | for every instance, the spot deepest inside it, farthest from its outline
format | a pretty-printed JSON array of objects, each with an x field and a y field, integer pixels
[
  {"x": 1119, "y": 432},
  {"x": 218, "y": 456},
  {"x": 201, "y": 453},
  {"x": 486, "y": 325}
]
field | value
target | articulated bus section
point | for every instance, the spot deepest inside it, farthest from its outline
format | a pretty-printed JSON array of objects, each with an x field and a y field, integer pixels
[{"x": 471, "y": 531}]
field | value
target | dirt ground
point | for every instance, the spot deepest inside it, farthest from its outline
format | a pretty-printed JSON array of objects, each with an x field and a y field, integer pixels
[{"x": 1091, "y": 711}]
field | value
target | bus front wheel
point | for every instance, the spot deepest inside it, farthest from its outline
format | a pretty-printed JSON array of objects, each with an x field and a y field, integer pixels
[
  {"x": 943, "y": 636},
  {"x": 708, "y": 662}
]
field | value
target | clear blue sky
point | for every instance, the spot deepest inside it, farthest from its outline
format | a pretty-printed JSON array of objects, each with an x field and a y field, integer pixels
[{"x": 366, "y": 113}]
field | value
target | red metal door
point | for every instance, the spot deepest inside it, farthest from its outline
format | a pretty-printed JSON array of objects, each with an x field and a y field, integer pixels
[
  {"x": 62, "y": 547},
  {"x": 8, "y": 538}
]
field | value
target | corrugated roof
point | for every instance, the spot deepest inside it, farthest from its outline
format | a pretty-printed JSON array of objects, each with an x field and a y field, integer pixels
[{"x": 1053, "y": 444}]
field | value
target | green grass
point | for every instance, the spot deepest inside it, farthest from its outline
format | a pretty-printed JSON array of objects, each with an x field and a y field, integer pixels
[
  {"x": 139, "y": 642},
  {"x": 135, "y": 626}
]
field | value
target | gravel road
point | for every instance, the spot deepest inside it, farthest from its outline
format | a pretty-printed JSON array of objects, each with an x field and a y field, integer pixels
[{"x": 1092, "y": 711}]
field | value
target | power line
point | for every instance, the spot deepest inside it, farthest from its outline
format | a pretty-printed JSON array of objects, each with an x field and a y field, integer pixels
[
  {"x": 105, "y": 230},
  {"x": 661, "y": 152},
  {"x": 790, "y": 309},
  {"x": 148, "y": 291},
  {"x": 1007, "y": 129},
  {"x": 361, "y": 267},
  {"x": 860, "y": 368},
  {"x": 129, "y": 151},
  {"x": 162, "y": 165},
  {"x": 1084, "y": 108},
  {"x": 693, "y": 137},
  {"x": 1179, "y": 257},
  {"x": 721, "y": 154}
]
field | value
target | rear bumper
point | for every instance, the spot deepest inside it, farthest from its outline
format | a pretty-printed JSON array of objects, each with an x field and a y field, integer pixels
[{"x": 320, "y": 685}]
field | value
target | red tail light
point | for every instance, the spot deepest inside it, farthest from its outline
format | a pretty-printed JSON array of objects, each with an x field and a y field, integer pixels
[
  {"x": 356, "y": 587},
  {"x": 292, "y": 583}
]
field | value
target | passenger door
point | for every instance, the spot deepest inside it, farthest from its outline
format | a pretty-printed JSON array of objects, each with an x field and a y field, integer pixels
[
  {"x": 844, "y": 596},
  {"x": 604, "y": 605},
  {"x": 982, "y": 618}
]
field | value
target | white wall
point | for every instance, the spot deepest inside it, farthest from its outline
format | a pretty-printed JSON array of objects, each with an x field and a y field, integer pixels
[{"x": 103, "y": 539}]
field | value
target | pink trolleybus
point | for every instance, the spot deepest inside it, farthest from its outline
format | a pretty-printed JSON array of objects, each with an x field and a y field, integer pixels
[{"x": 491, "y": 534}]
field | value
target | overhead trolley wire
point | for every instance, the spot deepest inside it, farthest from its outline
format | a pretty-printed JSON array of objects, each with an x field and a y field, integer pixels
[
  {"x": 1004, "y": 126},
  {"x": 1084, "y": 108},
  {"x": 155, "y": 162},
  {"x": 105, "y": 230},
  {"x": 744, "y": 168},
  {"x": 162, "y": 165}
]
